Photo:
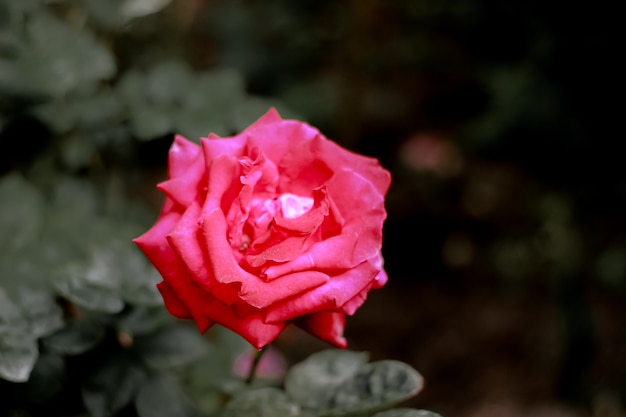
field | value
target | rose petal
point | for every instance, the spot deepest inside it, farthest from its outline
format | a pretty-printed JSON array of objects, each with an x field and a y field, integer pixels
[
  {"x": 381, "y": 278},
  {"x": 181, "y": 154},
  {"x": 311, "y": 161},
  {"x": 174, "y": 305},
  {"x": 222, "y": 263},
  {"x": 222, "y": 185},
  {"x": 331, "y": 295},
  {"x": 251, "y": 327},
  {"x": 326, "y": 325},
  {"x": 214, "y": 146},
  {"x": 185, "y": 239},
  {"x": 363, "y": 209},
  {"x": 302, "y": 169},
  {"x": 253, "y": 290},
  {"x": 357, "y": 301},
  {"x": 277, "y": 139},
  {"x": 309, "y": 221},
  {"x": 264, "y": 294},
  {"x": 351, "y": 306},
  {"x": 330, "y": 254},
  {"x": 270, "y": 117},
  {"x": 188, "y": 185},
  {"x": 154, "y": 244},
  {"x": 283, "y": 250}
]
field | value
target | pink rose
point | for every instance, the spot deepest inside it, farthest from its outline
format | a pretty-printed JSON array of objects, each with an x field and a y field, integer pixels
[{"x": 273, "y": 226}]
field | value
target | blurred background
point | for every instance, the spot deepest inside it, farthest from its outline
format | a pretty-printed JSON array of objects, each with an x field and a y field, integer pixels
[{"x": 505, "y": 241}]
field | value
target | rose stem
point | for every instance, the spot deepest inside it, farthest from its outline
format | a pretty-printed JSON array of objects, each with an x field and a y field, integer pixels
[{"x": 255, "y": 363}]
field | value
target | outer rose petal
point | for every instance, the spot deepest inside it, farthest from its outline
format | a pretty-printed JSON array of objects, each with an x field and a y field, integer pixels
[
  {"x": 174, "y": 305},
  {"x": 155, "y": 246},
  {"x": 323, "y": 155},
  {"x": 278, "y": 138},
  {"x": 181, "y": 154},
  {"x": 186, "y": 188},
  {"x": 179, "y": 288},
  {"x": 327, "y": 325},
  {"x": 363, "y": 209},
  {"x": 185, "y": 239},
  {"x": 214, "y": 146},
  {"x": 329, "y": 296},
  {"x": 252, "y": 327}
]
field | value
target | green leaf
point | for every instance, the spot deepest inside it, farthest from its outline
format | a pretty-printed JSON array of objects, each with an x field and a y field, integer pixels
[
  {"x": 4, "y": 15},
  {"x": 78, "y": 336},
  {"x": 18, "y": 354},
  {"x": 214, "y": 372},
  {"x": 40, "y": 314},
  {"x": 105, "y": 13},
  {"x": 313, "y": 381},
  {"x": 47, "y": 379},
  {"x": 168, "y": 82},
  {"x": 82, "y": 284},
  {"x": 92, "y": 111},
  {"x": 150, "y": 123},
  {"x": 21, "y": 212},
  {"x": 209, "y": 105},
  {"x": 137, "y": 277},
  {"x": 171, "y": 346},
  {"x": 132, "y": 9},
  {"x": 113, "y": 385},
  {"x": 25, "y": 315},
  {"x": 406, "y": 412},
  {"x": 59, "y": 60},
  {"x": 9, "y": 312},
  {"x": 10, "y": 80},
  {"x": 115, "y": 14},
  {"x": 171, "y": 98},
  {"x": 20, "y": 7},
  {"x": 98, "y": 281},
  {"x": 377, "y": 386},
  {"x": 141, "y": 321},
  {"x": 75, "y": 196},
  {"x": 162, "y": 396},
  {"x": 77, "y": 151},
  {"x": 261, "y": 402},
  {"x": 337, "y": 387}
]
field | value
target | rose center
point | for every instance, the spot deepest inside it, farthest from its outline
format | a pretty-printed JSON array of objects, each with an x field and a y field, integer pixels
[
  {"x": 293, "y": 206},
  {"x": 263, "y": 211}
]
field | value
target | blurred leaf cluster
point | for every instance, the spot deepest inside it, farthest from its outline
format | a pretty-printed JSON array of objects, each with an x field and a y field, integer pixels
[
  {"x": 82, "y": 326},
  {"x": 67, "y": 73},
  {"x": 81, "y": 322},
  {"x": 334, "y": 383}
]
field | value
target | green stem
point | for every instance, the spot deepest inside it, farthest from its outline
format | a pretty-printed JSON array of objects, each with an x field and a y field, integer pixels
[{"x": 258, "y": 354}]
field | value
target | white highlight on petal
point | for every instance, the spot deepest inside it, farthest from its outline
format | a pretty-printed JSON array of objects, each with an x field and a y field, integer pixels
[{"x": 293, "y": 206}]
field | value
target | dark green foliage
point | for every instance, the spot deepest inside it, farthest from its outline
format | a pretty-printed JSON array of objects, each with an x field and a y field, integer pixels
[
  {"x": 406, "y": 412},
  {"x": 341, "y": 383},
  {"x": 263, "y": 402},
  {"x": 163, "y": 397},
  {"x": 333, "y": 383}
]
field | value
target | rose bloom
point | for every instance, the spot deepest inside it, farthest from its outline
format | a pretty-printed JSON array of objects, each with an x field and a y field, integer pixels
[{"x": 273, "y": 226}]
